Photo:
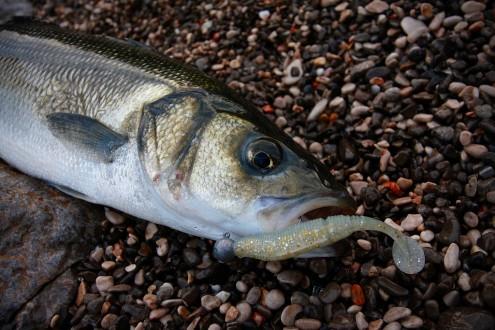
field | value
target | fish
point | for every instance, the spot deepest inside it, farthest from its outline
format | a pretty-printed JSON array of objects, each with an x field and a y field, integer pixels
[{"x": 116, "y": 123}]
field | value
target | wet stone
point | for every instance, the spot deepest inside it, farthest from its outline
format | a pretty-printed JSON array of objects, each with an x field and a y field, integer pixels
[
  {"x": 274, "y": 299},
  {"x": 391, "y": 287},
  {"x": 396, "y": 313},
  {"x": 291, "y": 277},
  {"x": 469, "y": 318},
  {"x": 330, "y": 293},
  {"x": 253, "y": 295},
  {"x": 290, "y": 313},
  {"x": 308, "y": 324}
]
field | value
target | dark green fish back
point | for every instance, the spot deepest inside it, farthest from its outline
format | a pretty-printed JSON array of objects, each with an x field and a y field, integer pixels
[{"x": 142, "y": 57}]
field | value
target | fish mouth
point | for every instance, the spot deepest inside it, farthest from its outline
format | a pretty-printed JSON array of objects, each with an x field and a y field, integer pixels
[{"x": 280, "y": 213}]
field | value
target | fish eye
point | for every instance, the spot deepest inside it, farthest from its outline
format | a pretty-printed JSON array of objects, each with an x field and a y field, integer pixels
[{"x": 264, "y": 155}]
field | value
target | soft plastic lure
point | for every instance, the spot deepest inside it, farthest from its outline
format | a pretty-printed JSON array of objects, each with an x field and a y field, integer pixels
[{"x": 306, "y": 236}]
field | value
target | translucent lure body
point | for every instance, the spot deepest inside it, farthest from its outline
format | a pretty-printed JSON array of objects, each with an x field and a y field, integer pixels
[{"x": 306, "y": 236}]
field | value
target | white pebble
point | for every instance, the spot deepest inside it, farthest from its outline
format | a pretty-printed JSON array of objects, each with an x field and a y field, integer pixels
[
  {"x": 413, "y": 28},
  {"x": 361, "y": 322},
  {"x": 317, "y": 110},
  {"x": 364, "y": 244},
  {"x": 427, "y": 235},
  {"x": 411, "y": 222},
  {"x": 396, "y": 313}
]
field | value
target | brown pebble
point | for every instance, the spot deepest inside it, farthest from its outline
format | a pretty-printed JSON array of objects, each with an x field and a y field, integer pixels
[
  {"x": 108, "y": 321},
  {"x": 231, "y": 314},
  {"x": 290, "y": 313},
  {"x": 308, "y": 324}
]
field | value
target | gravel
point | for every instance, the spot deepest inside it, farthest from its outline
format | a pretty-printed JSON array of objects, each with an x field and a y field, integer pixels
[{"x": 395, "y": 97}]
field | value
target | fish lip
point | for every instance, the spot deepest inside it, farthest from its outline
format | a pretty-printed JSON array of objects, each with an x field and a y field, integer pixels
[{"x": 283, "y": 211}]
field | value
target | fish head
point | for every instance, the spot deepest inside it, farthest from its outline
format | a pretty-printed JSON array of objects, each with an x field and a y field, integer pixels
[{"x": 243, "y": 176}]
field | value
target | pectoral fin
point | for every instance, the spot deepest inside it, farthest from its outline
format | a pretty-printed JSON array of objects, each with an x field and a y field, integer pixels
[{"x": 87, "y": 134}]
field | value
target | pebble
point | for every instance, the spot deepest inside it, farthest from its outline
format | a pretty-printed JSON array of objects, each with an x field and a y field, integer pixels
[
  {"x": 412, "y": 322},
  {"x": 150, "y": 300},
  {"x": 158, "y": 313},
  {"x": 451, "y": 259},
  {"x": 245, "y": 311},
  {"x": 273, "y": 266},
  {"x": 396, "y": 313},
  {"x": 348, "y": 88},
  {"x": 364, "y": 244},
  {"x": 423, "y": 118},
  {"x": 114, "y": 217},
  {"x": 162, "y": 247},
  {"x": 472, "y": 318},
  {"x": 253, "y": 295},
  {"x": 475, "y": 150},
  {"x": 452, "y": 298},
  {"x": 308, "y": 324},
  {"x": 465, "y": 138},
  {"x": 471, "y": 219},
  {"x": 151, "y": 230},
  {"x": 291, "y": 277},
  {"x": 437, "y": 21},
  {"x": 103, "y": 283},
  {"x": 139, "y": 277},
  {"x": 210, "y": 302},
  {"x": 393, "y": 326},
  {"x": 361, "y": 322},
  {"x": 318, "y": 109},
  {"x": 427, "y": 235},
  {"x": 376, "y": 7},
  {"x": 232, "y": 314},
  {"x": 391, "y": 287},
  {"x": 487, "y": 89},
  {"x": 411, "y": 222},
  {"x": 108, "y": 265},
  {"x": 293, "y": 72},
  {"x": 469, "y": 7},
  {"x": 223, "y": 296},
  {"x": 358, "y": 186},
  {"x": 451, "y": 20},
  {"x": 290, "y": 313},
  {"x": 108, "y": 321},
  {"x": 274, "y": 299},
  {"x": 330, "y": 293},
  {"x": 241, "y": 286},
  {"x": 413, "y": 28}
]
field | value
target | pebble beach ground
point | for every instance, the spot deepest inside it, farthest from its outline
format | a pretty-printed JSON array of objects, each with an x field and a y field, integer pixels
[{"x": 396, "y": 97}]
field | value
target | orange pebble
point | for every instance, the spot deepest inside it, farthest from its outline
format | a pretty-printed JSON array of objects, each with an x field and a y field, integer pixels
[
  {"x": 357, "y": 295},
  {"x": 267, "y": 108},
  {"x": 377, "y": 81},
  {"x": 394, "y": 187},
  {"x": 333, "y": 117}
]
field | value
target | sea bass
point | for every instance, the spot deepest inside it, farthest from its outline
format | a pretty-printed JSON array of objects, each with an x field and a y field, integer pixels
[{"x": 118, "y": 124}]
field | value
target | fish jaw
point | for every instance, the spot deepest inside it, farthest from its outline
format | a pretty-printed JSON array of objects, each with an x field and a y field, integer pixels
[{"x": 278, "y": 213}]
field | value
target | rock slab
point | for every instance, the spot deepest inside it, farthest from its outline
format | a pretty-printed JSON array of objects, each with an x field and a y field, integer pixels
[{"x": 42, "y": 234}]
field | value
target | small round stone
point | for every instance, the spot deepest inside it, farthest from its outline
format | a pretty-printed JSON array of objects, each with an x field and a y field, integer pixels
[
  {"x": 245, "y": 312},
  {"x": 274, "y": 299}
]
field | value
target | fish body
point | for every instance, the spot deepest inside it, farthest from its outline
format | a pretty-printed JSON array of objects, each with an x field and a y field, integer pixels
[{"x": 118, "y": 124}]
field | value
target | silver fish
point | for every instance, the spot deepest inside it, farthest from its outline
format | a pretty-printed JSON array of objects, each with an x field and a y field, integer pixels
[{"x": 118, "y": 124}]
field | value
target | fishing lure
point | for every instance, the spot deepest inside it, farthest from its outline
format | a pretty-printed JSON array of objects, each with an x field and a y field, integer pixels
[{"x": 306, "y": 236}]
